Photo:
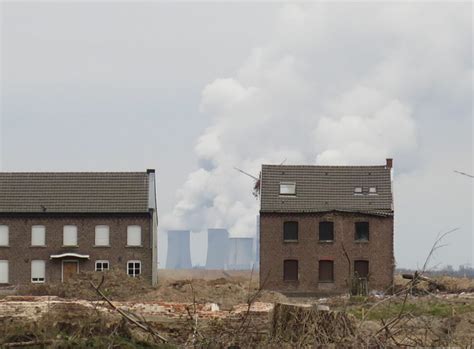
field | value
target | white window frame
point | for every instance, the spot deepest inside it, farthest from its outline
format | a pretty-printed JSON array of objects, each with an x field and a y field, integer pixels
[
  {"x": 358, "y": 191},
  {"x": 38, "y": 279},
  {"x": 130, "y": 240},
  {"x": 64, "y": 235},
  {"x": 288, "y": 188},
  {"x": 372, "y": 190},
  {"x": 97, "y": 241},
  {"x": 134, "y": 269},
  {"x": 6, "y": 278},
  {"x": 38, "y": 229},
  {"x": 102, "y": 266},
  {"x": 4, "y": 229}
]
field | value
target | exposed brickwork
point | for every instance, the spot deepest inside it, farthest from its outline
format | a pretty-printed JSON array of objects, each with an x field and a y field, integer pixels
[
  {"x": 20, "y": 252},
  {"x": 308, "y": 250}
]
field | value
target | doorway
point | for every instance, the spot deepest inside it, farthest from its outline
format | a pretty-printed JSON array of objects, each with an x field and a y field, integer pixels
[{"x": 70, "y": 269}]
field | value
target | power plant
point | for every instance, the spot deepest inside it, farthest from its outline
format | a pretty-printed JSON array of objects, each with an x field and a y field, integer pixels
[
  {"x": 241, "y": 256},
  {"x": 179, "y": 253},
  {"x": 217, "y": 248}
]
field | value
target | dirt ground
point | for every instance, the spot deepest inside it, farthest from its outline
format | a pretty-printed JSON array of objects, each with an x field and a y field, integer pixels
[{"x": 210, "y": 309}]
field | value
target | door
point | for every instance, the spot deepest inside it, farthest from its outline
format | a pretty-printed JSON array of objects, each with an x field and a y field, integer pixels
[
  {"x": 361, "y": 268},
  {"x": 70, "y": 269}
]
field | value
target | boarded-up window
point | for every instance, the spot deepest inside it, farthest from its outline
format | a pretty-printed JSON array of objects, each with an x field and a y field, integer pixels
[
  {"x": 3, "y": 235},
  {"x": 38, "y": 271},
  {"x": 362, "y": 231},
  {"x": 102, "y": 235},
  {"x": 326, "y": 231},
  {"x": 38, "y": 235},
  {"x": 70, "y": 235},
  {"x": 290, "y": 270},
  {"x": 134, "y": 235},
  {"x": 326, "y": 271},
  {"x": 3, "y": 272},
  {"x": 290, "y": 231},
  {"x": 361, "y": 268}
]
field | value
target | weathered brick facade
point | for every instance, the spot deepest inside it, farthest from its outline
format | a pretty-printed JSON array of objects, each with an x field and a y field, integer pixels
[
  {"x": 19, "y": 253},
  {"x": 308, "y": 250}
]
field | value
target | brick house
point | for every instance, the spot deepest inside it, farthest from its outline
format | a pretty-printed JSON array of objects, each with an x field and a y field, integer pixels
[
  {"x": 53, "y": 225},
  {"x": 321, "y": 225}
]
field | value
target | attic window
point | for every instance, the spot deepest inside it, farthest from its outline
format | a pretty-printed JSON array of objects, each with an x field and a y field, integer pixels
[
  {"x": 373, "y": 190},
  {"x": 287, "y": 188},
  {"x": 358, "y": 190}
]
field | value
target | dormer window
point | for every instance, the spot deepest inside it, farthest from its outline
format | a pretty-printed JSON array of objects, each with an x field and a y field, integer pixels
[
  {"x": 372, "y": 190},
  {"x": 358, "y": 191},
  {"x": 287, "y": 188}
]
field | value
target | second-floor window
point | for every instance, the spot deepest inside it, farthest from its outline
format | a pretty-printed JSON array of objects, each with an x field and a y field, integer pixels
[
  {"x": 70, "y": 235},
  {"x": 290, "y": 231},
  {"x": 326, "y": 231},
  {"x": 134, "y": 235},
  {"x": 38, "y": 235},
  {"x": 362, "y": 231},
  {"x": 287, "y": 188},
  {"x": 4, "y": 235},
  {"x": 102, "y": 233}
]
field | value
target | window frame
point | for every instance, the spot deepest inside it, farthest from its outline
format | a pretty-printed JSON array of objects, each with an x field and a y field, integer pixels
[
  {"x": 128, "y": 235},
  {"x": 356, "y": 236},
  {"x": 319, "y": 231},
  {"x": 287, "y": 184},
  {"x": 102, "y": 261},
  {"x": 134, "y": 268},
  {"x": 44, "y": 235},
  {"x": 38, "y": 281},
  {"x": 7, "y": 230},
  {"x": 368, "y": 267},
  {"x": 320, "y": 264},
  {"x": 358, "y": 192},
  {"x": 76, "y": 238},
  {"x": 108, "y": 235},
  {"x": 7, "y": 263},
  {"x": 285, "y": 273},
  {"x": 287, "y": 223}
]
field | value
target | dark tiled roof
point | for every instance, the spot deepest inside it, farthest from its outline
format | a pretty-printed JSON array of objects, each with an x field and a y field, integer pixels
[
  {"x": 327, "y": 188},
  {"x": 74, "y": 192}
]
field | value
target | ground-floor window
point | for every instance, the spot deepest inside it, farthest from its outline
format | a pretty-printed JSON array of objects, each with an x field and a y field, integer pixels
[
  {"x": 134, "y": 268},
  {"x": 101, "y": 265},
  {"x": 38, "y": 271},
  {"x": 326, "y": 271},
  {"x": 361, "y": 268},
  {"x": 290, "y": 270},
  {"x": 3, "y": 272}
]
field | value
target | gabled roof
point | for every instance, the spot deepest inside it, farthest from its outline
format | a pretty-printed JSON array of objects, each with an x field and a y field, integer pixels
[
  {"x": 74, "y": 192},
  {"x": 327, "y": 188}
]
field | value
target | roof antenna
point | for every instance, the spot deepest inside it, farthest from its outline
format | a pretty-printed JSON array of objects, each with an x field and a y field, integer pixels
[
  {"x": 256, "y": 186},
  {"x": 283, "y": 162},
  {"x": 464, "y": 174}
]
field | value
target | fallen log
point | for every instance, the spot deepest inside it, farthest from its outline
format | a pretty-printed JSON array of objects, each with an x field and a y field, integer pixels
[{"x": 432, "y": 284}]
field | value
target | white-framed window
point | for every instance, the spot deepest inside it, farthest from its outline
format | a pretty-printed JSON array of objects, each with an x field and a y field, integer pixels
[
  {"x": 102, "y": 233},
  {"x": 70, "y": 235},
  {"x": 4, "y": 235},
  {"x": 101, "y": 265},
  {"x": 134, "y": 235},
  {"x": 134, "y": 268},
  {"x": 287, "y": 188},
  {"x": 3, "y": 272},
  {"x": 38, "y": 235},
  {"x": 373, "y": 190},
  {"x": 358, "y": 190},
  {"x": 38, "y": 271}
]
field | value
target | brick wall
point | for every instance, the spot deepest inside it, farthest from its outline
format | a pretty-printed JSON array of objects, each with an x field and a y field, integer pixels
[
  {"x": 308, "y": 250},
  {"x": 20, "y": 252}
]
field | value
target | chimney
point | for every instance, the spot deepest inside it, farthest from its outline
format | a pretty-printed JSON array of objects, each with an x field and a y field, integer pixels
[
  {"x": 150, "y": 170},
  {"x": 389, "y": 163}
]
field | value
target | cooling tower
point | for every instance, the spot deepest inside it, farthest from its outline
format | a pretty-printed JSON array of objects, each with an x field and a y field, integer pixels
[
  {"x": 217, "y": 248},
  {"x": 241, "y": 256},
  {"x": 179, "y": 254}
]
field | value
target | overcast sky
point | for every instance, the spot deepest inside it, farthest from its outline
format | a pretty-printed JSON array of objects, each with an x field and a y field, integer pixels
[{"x": 195, "y": 89}]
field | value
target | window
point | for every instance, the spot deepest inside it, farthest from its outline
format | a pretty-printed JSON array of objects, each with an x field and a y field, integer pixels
[
  {"x": 4, "y": 235},
  {"x": 3, "y": 272},
  {"x": 326, "y": 231},
  {"x": 290, "y": 270},
  {"x": 326, "y": 271},
  {"x": 362, "y": 231},
  {"x": 134, "y": 268},
  {"x": 290, "y": 231},
  {"x": 134, "y": 235},
  {"x": 38, "y": 235},
  {"x": 101, "y": 265},
  {"x": 287, "y": 188},
  {"x": 361, "y": 269},
  {"x": 102, "y": 235},
  {"x": 38, "y": 271},
  {"x": 358, "y": 190},
  {"x": 70, "y": 235},
  {"x": 372, "y": 190}
]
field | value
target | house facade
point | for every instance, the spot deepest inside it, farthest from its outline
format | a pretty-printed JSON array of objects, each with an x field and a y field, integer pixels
[
  {"x": 322, "y": 225},
  {"x": 54, "y": 225}
]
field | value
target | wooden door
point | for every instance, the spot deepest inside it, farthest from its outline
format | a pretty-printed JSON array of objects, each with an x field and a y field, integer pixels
[{"x": 70, "y": 269}]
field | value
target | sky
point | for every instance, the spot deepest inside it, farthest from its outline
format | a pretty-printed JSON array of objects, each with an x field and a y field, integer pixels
[{"x": 194, "y": 89}]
